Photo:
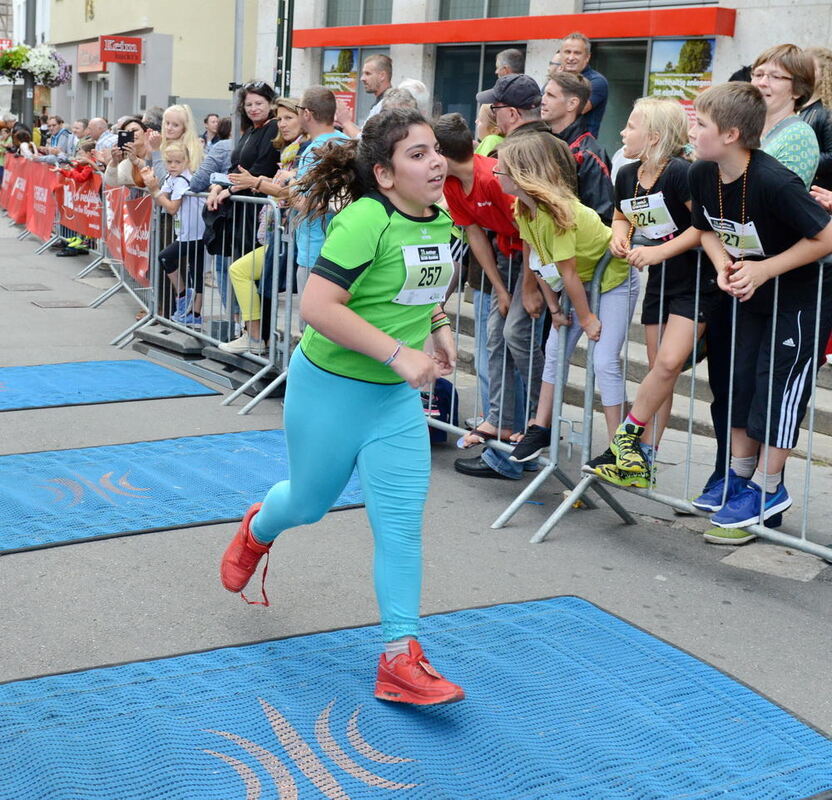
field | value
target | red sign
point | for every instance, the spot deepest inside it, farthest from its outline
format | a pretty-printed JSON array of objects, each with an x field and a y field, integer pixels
[
  {"x": 5, "y": 44},
  {"x": 41, "y": 204},
  {"x": 17, "y": 190},
  {"x": 113, "y": 211},
  {"x": 135, "y": 237},
  {"x": 13, "y": 166},
  {"x": 89, "y": 57},
  {"x": 80, "y": 205},
  {"x": 121, "y": 49}
]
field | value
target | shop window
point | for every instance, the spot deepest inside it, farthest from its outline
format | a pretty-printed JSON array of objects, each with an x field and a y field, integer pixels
[
  {"x": 618, "y": 5},
  {"x": 474, "y": 9},
  {"x": 358, "y": 12}
]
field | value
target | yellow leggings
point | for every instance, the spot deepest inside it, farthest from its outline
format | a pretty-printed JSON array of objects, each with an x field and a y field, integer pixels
[{"x": 244, "y": 272}]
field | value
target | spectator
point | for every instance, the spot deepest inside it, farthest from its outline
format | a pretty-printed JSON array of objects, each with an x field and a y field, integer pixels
[
  {"x": 99, "y": 131},
  {"x": 785, "y": 75},
  {"x": 420, "y": 93},
  {"x": 177, "y": 126},
  {"x": 23, "y": 146},
  {"x": 152, "y": 118},
  {"x": 61, "y": 143},
  {"x": 209, "y": 135},
  {"x": 510, "y": 62},
  {"x": 816, "y": 112},
  {"x": 574, "y": 54},
  {"x": 400, "y": 98},
  {"x": 565, "y": 94},
  {"x": 376, "y": 78},
  {"x": 5, "y": 144},
  {"x": 217, "y": 158},
  {"x": 126, "y": 163},
  {"x": 487, "y": 133}
]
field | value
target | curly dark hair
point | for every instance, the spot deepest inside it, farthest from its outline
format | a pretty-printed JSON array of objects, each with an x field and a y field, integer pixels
[
  {"x": 343, "y": 172},
  {"x": 253, "y": 87}
]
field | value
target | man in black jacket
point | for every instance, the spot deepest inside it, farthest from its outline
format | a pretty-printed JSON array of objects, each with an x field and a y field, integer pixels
[{"x": 563, "y": 97}]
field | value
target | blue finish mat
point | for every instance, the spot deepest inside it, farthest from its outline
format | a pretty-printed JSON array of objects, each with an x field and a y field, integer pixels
[
  {"x": 564, "y": 702},
  {"x": 72, "y": 495},
  {"x": 86, "y": 382}
]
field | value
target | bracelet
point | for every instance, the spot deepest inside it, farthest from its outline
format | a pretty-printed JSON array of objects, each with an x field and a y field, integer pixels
[
  {"x": 393, "y": 355},
  {"x": 435, "y": 326},
  {"x": 439, "y": 315}
]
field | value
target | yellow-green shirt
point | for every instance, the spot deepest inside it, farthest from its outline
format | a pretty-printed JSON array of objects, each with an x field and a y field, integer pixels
[{"x": 586, "y": 242}]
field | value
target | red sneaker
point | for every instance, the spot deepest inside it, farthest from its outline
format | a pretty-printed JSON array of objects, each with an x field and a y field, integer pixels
[
  {"x": 409, "y": 678},
  {"x": 241, "y": 557}
]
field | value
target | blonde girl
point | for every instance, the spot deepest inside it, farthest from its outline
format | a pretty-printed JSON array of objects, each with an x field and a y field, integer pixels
[
  {"x": 177, "y": 126},
  {"x": 487, "y": 133},
  {"x": 816, "y": 112},
  {"x": 565, "y": 241},
  {"x": 653, "y": 202}
]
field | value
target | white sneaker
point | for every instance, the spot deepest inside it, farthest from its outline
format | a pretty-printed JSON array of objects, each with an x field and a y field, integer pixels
[{"x": 244, "y": 344}]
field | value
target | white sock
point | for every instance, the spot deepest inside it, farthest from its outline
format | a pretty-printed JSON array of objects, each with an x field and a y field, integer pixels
[
  {"x": 744, "y": 467},
  {"x": 767, "y": 482},
  {"x": 397, "y": 647}
]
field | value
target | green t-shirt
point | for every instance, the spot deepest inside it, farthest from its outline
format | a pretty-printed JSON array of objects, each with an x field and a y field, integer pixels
[
  {"x": 488, "y": 145},
  {"x": 367, "y": 249},
  {"x": 586, "y": 242}
]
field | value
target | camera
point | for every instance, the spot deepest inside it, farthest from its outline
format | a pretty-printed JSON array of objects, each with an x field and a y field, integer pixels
[{"x": 125, "y": 137}]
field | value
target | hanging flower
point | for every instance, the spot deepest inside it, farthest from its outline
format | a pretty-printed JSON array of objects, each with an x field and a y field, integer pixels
[{"x": 12, "y": 62}]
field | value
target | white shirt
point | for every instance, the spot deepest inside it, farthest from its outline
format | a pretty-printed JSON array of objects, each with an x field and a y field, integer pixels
[{"x": 189, "y": 224}]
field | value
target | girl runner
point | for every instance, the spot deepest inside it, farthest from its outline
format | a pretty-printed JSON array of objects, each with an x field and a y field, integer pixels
[
  {"x": 566, "y": 241},
  {"x": 352, "y": 395},
  {"x": 653, "y": 201}
]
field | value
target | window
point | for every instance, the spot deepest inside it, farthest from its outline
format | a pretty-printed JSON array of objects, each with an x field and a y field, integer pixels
[
  {"x": 473, "y": 9},
  {"x": 358, "y": 12},
  {"x": 618, "y": 5}
]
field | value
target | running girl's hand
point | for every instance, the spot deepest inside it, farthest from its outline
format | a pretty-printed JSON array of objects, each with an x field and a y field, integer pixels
[
  {"x": 414, "y": 366},
  {"x": 619, "y": 246},
  {"x": 503, "y": 301},
  {"x": 592, "y": 327},
  {"x": 640, "y": 257},
  {"x": 154, "y": 140},
  {"x": 444, "y": 350},
  {"x": 746, "y": 278}
]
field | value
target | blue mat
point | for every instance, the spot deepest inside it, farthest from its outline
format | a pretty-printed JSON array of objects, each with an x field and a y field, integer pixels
[
  {"x": 565, "y": 702},
  {"x": 87, "y": 382},
  {"x": 74, "y": 495}
]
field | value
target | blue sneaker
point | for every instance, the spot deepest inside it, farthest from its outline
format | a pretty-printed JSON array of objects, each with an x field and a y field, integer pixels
[
  {"x": 743, "y": 508},
  {"x": 711, "y": 497},
  {"x": 183, "y": 305},
  {"x": 191, "y": 319}
]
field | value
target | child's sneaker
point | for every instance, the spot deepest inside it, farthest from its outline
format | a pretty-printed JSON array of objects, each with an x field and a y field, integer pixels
[
  {"x": 535, "y": 441},
  {"x": 183, "y": 305},
  {"x": 711, "y": 497},
  {"x": 430, "y": 404},
  {"x": 626, "y": 448},
  {"x": 241, "y": 557},
  {"x": 737, "y": 536},
  {"x": 743, "y": 508},
  {"x": 243, "y": 344},
  {"x": 409, "y": 678},
  {"x": 191, "y": 320},
  {"x": 604, "y": 467}
]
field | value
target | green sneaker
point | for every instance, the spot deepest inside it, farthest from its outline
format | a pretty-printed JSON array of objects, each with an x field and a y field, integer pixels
[
  {"x": 611, "y": 474},
  {"x": 626, "y": 449},
  {"x": 730, "y": 536}
]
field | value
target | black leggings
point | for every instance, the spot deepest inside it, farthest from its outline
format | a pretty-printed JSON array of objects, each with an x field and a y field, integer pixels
[{"x": 179, "y": 254}]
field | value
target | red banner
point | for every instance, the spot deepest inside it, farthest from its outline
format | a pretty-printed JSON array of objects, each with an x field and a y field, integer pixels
[
  {"x": 17, "y": 190},
  {"x": 81, "y": 205},
  {"x": 135, "y": 237},
  {"x": 13, "y": 164},
  {"x": 41, "y": 204},
  {"x": 114, "y": 210}
]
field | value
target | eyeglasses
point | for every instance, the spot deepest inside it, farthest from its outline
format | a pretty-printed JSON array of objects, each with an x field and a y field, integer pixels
[
  {"x": 496, "y": 106},
  {"x": 772, "y": 76}
]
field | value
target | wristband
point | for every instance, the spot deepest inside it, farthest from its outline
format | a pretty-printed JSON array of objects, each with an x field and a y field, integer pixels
[
  {"x": 441, "y": 323},
  {"x": 438, "y": 316},
  {"x": 393, "y": 355}
]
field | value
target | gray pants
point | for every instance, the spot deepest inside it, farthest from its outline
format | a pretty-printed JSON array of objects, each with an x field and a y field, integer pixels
[{"x": 511, "y": 344}]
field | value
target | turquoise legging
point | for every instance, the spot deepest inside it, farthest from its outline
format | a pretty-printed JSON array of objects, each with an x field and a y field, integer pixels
[{"x": 334, "y": 424}]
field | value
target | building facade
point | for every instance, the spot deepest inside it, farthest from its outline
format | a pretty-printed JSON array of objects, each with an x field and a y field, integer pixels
[{"x": 653, "y": 46}]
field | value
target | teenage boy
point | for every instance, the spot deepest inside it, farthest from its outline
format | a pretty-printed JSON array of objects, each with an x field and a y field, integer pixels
[
  {"x": 478, "y": 204},
  {"x": 764, "y": 234}
]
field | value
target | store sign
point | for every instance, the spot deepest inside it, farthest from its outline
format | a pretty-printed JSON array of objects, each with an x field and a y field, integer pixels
[
  {"x": 121, "y": 49},
  {"x": 89, "y": 58},
  {"x": 5, "y": 44},
  {"x": 340, "y": 75},
  {"x": 682, "y": 69}
]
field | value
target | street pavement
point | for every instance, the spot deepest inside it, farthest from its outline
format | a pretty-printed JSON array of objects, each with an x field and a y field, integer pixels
[{"x": 761, "y": 613}]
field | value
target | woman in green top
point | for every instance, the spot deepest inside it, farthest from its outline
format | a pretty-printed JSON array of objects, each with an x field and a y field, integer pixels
[
  {"x": 353, "y": 388},
  {"x": 566, "y": 240}
]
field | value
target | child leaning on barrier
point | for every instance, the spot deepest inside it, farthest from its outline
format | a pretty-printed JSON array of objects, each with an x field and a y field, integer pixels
[
  {"x": 566, "y": 240},
  {"x": 187, "y": 250},
  {"x": 652, "y": 200},
  {"x": 764, "y": 234}
]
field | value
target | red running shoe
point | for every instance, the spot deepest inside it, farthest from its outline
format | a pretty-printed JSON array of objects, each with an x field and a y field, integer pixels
[
  {"x": 409, "y": 678},
  {"x": 241, "y": 558}
]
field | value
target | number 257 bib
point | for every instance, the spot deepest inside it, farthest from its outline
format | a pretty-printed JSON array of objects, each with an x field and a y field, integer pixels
[{"x": 428, "y": 272}]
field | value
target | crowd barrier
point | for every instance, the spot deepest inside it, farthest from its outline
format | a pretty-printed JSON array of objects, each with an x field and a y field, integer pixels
[{"x": 128, "y": 231}]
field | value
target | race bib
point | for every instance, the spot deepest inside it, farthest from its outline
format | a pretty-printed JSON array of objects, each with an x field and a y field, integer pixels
[
  {"x": 649, "y": 215},
  {"x": 428, "y": 271},
  {"x": 549, "y": 272},
  {"x": 739, "y": 240}
]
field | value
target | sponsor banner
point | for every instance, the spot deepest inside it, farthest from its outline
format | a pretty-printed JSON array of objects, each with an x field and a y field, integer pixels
[
  {"x": 340, "y": 75},
  {"x": 17, "y": 191},
  {"x": 135, "y": 237},
  {"x": 682, "y": 69},
  {"x": 80, "y": 205},
  {"x": 13, "y": 166},
  {"x": 121, "y": 49},
  {"x": 113, "y": 209},
  {"x": 41, "y": 204}
]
